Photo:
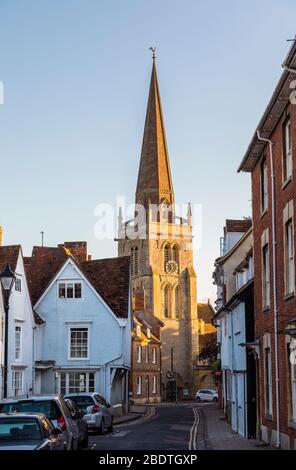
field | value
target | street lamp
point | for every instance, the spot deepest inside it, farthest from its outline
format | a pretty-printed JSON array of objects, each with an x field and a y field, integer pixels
[{"x": 7, "y": 278}]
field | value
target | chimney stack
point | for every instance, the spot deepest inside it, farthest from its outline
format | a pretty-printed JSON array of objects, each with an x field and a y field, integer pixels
[{"x": 1, "y": 234}]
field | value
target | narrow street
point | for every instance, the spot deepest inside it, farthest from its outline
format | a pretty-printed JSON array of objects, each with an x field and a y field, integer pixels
[{"x": 187, "y": 426}]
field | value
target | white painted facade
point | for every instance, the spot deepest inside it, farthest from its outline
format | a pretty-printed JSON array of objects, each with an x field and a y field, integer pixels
[
  {"x": 20, "y": 336},
  {"x": 107, "y": 362}
]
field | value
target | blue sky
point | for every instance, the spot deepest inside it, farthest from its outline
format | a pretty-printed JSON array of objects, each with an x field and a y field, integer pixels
[{"x": 76, "y": 76}]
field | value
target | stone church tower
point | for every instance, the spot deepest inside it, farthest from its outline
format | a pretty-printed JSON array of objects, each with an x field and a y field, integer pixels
[{"x": 161, "y": 251}]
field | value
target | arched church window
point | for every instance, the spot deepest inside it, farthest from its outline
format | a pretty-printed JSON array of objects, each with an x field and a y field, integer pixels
[
  {"x": 166, "y": 256},
  {"x": 175, "y": 254},
  {"x": 136, "y": 261},
  {"x": 166, "y": 302},
  {"x": 177, "y": 302}
]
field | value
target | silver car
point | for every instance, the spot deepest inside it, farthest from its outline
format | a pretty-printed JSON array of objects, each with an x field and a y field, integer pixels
[
  {"x": 53, "y": 407},
  {"x": 96, "y": 410},
  {"x": 206, "y": 394},
  {"x": 29, "y": 431}
]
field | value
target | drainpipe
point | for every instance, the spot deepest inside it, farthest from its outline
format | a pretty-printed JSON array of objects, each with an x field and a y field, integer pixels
[{"x": 275, "y": 310}]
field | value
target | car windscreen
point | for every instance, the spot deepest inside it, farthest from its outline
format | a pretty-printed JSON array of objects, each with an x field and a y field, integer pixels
[
  {"x": 19, "y": 429},
  {"x": 48, "y": 407},
  {"x": 82, "y": 401}
]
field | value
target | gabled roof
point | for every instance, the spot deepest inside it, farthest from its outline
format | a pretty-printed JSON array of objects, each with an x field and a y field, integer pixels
[
  {"x": 41, "y": 268},
  {"x": 273, "y": 112},
  {"x": 205, "y": 312},
  {"x": 154, "y": 178},
  {"x": 9, "y": 254},
  {"x": 109, "y": 277}
]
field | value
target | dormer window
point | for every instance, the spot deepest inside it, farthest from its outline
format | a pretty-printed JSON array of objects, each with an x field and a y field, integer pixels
[{"x": 148, "y": 333}]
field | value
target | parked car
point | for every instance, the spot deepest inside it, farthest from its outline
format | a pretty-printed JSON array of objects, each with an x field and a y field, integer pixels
[
  {"x": 77, "y": 415},
  {"x": 96, "y": 410},
  {"x": 206, "y": 394},
  {"x": 29, "y": 431},
  {"x": 52, "y": 406}
]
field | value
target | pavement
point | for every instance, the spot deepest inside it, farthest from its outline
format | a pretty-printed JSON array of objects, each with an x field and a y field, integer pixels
[
  {"x": 136, "y": 412},
  {"x": 215, "y": 433},
  {"x": 170, "y": 426}
]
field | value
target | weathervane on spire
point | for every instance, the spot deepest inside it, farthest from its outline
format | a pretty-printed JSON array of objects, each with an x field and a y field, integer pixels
[{"x": 153, "y": 49}]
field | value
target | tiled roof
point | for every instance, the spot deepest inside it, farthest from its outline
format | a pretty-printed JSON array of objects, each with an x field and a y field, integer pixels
[
  {"x": 241, "y": 226},
  {"x": 205, "y": 312},
  {"x": 9, "y": 254},
  {"x": 41, "y": 268},
  {"x": 110, "y": 277},
  {"x": 146, "y": 318}
]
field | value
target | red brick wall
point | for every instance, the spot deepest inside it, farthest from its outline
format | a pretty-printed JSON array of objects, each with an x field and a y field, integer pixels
[
  {"x": 286, "y": 308},
  {"x": 144, "y": 369}
]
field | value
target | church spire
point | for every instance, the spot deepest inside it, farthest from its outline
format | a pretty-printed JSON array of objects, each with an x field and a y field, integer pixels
[{"x": 154, "y": 178}]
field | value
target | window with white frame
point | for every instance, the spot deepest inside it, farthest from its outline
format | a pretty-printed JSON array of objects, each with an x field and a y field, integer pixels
[
  {"x": 17, "y": 382},
  {"x": 76, "y": 381},
  {"x": 268, "y": 381},
  {"x": 147, "y": 354},
  {"x": 154, "y": 387},
  {"x": 264, "y": 185},
  {"x": 69, "y": 290},
  {"x": 139, "y": 385},
  {"x": 139, "y": 354},
  {"x": 287, "y": 150},
  {"x": 292, "y": 362},
  {"x": 138, "y": 330},
  {"x": 17, "y": 342},
  {"x": 78, "y": 343},
  {"x": 18, "y": 284},
  {"x": 153, "y": 355},
  {"x": 289, "y": 257},
  {"x": 148, "y": 333},
  {"x": 265, "y": 275}
]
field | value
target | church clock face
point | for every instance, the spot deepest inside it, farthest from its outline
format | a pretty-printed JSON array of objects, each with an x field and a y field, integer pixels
[{"x": 171, "y": 267}]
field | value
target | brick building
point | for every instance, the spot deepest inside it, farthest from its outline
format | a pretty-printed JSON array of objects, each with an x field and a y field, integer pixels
[
  {"x": 271, "y": 160},
  {"x": 145, "y": 377}
]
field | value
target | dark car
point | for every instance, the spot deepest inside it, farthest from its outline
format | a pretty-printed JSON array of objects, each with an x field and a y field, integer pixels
[
  {"x": 77, "y": 415},
  {"x": 29, "y": 431},
  {"x": 52, "y": 406}
]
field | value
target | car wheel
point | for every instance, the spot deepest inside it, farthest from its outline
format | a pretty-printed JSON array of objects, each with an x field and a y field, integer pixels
[
  {"x": 215, "y": 399},
  {"x": 110, "y": 428},
  {"x": 198, "y": 399},
  {"x": 101, "y": 429}
]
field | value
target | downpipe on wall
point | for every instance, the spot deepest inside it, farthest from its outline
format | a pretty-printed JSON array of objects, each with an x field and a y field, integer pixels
[{"x": 274, "y": 285}]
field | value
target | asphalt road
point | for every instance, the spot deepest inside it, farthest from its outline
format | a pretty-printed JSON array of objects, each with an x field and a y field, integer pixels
[{"x": 169, "y": 428}]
